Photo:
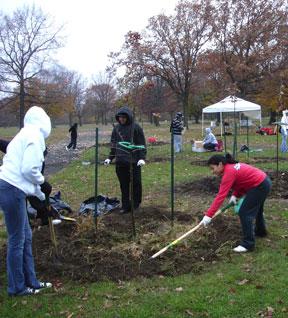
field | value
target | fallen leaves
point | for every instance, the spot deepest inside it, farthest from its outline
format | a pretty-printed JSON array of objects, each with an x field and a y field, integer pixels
[
  {"x": 179, "y": 289},
  {"x": 243, "y": 282}
]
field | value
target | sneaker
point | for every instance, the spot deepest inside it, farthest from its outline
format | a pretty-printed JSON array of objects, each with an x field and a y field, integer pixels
[
  {"x": 240, "y": 249},
  {"x": 67, "y": 148},
  {"x": 27, "y": 292},
  {"x": 43, "y": 285},
  {"x": 56, "y": 221}
]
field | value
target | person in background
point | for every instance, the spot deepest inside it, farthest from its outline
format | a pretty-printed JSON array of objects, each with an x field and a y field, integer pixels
[
  {"x": 176, "y": 129},
  {"x": 73, "y": 133},
  {"x": 244, "y": 180},
  {"x": 210, "y": 141},
  {"x": 284, "y": 131},
  {"x": 20, "y": 176},
  {"x": 128, "y": 131}
]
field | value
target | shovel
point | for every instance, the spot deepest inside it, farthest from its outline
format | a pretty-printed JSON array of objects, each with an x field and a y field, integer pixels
[{"x": 189, "y": 232}]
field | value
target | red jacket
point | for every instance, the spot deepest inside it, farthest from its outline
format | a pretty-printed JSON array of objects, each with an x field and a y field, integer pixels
[{"x": 237, "y": 176}]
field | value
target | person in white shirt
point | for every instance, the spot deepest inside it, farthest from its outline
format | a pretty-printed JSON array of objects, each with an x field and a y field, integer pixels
[
  {"x": 20, "y": 176},
  {"x": 284, "y": 131}
]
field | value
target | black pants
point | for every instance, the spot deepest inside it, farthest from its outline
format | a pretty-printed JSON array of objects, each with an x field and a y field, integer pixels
[
  {"x": 252, "y": 210},
  {"x": 123, "y": 174},
  {"x": 73, "y": 143},
  {"x": 209, "y": 146}
]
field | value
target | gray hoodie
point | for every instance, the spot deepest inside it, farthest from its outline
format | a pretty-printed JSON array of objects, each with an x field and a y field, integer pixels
[
  {"x": 22, "y": 163},
  {"x": 209, "y": 137}
]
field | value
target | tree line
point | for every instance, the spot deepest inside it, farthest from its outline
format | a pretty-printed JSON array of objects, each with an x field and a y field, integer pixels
[{"x": 201, "y": 53}]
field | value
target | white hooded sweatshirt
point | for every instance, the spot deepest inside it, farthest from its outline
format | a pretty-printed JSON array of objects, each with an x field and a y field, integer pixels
[
  {"x": 209, "y": 137},
  {"x": 284, "y": 120},
  {"x": 23, "y": 161}
]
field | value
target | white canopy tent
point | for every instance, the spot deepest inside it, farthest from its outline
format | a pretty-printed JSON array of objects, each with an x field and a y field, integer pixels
[{"x": 233, "y": 104}]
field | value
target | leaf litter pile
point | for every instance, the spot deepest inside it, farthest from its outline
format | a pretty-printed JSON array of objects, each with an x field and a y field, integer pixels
[{"x": 112, "y": 254}]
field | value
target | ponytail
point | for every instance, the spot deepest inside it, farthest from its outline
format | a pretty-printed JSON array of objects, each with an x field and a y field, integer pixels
[{"x": 216, "y": 159}]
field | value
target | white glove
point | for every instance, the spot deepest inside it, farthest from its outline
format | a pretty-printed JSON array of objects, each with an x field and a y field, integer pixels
[
  {"x": 107, "y": 162},
  {"x": 206, "y": 220},
  {"x": 39, "y": 194},
  {"x": 141, "y": 163},
  {"x": 233, "y": 200}
]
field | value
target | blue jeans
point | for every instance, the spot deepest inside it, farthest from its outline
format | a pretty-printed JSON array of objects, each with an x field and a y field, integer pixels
[
  {"x": 20, "y": 262},
  {"x": 284, "y": 143},
  {"x": 177, "y": 143},
  {"x": 252, "y": 210}
]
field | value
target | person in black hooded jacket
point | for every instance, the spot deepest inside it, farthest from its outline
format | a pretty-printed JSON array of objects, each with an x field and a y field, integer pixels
[
  {"x": 74, "y": 134},
  {"x": 129, "y": 131}
]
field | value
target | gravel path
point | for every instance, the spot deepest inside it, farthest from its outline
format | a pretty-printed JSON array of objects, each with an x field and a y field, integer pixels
[{"x": 58, "y": 157}]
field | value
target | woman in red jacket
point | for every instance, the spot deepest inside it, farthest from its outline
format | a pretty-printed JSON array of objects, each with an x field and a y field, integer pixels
[{"x": 247, "y": 181}]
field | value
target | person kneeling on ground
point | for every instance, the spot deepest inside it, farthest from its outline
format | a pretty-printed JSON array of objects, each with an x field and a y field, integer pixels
[
  {"x": 20, "y": 176},
  {"x": 247, "y": 181},
  {"x": 128, "y": 131},
  {"x": 210, "y": 141}
]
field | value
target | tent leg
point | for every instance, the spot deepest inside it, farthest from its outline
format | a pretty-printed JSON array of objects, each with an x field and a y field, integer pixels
[
  {"x": 221, "y": 123},
  {"x": 202, "y": 122}
]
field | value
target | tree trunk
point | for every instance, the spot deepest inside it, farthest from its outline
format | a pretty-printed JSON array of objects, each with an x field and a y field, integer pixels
[
  {"x": 272, "y": 116},
  {"x": 21, "y": 104},
  {"x": 80, "y": 120},
  {"x": 196, "y": 117},
  {"x": 185, "y": 111},
  {"x": 70, "y": 119},
  {"x": 105, "y": 119}
]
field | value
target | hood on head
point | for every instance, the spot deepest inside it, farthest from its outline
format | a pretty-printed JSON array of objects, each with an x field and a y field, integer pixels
[
  {"x": 37, "y": 117},
  {"x": 179, "y": 115},
  {"x": 208, "y": 130},
  {"x": 125, "y": 111}
]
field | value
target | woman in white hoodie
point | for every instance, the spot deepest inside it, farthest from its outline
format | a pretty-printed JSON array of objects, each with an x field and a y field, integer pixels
[{"x": 20, "y": 176}]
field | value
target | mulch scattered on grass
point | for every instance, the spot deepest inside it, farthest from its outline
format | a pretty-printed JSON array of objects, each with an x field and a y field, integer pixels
[{"x": 114, "y": 255}]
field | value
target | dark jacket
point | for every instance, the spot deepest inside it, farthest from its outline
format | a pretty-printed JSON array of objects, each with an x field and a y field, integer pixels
[
  {"x": 177, "y": 126},
  {"x": 73, "y": 131},
  {"x": 3, "y": 145},
  {"x": 124, "y": 133}
]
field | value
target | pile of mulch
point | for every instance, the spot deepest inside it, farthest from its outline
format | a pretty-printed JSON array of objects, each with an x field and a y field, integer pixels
[{"x": 114, "y": 255}]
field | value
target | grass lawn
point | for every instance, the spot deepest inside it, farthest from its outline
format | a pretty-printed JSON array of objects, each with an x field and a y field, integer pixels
[{"x": 236, "y": 286}]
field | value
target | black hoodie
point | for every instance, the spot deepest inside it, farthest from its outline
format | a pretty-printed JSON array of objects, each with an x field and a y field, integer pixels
[
  {"x": 124, "y": 133},
  {"x": 73, "y": 131}
]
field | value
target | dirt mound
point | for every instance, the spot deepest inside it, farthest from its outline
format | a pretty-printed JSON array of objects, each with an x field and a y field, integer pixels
[
  {"x": 210, "y": 185},
  {"x": 114, "y": 255}
]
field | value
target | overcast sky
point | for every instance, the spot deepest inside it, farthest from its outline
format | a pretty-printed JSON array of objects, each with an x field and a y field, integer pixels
[{"x": 94, "y": 28}]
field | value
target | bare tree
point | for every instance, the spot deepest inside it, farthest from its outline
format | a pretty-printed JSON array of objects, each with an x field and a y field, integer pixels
[
  {"x": 26, "y": 39},
  {"x": 170, "y": 47},
  {"x": 102, "y": 95}
]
